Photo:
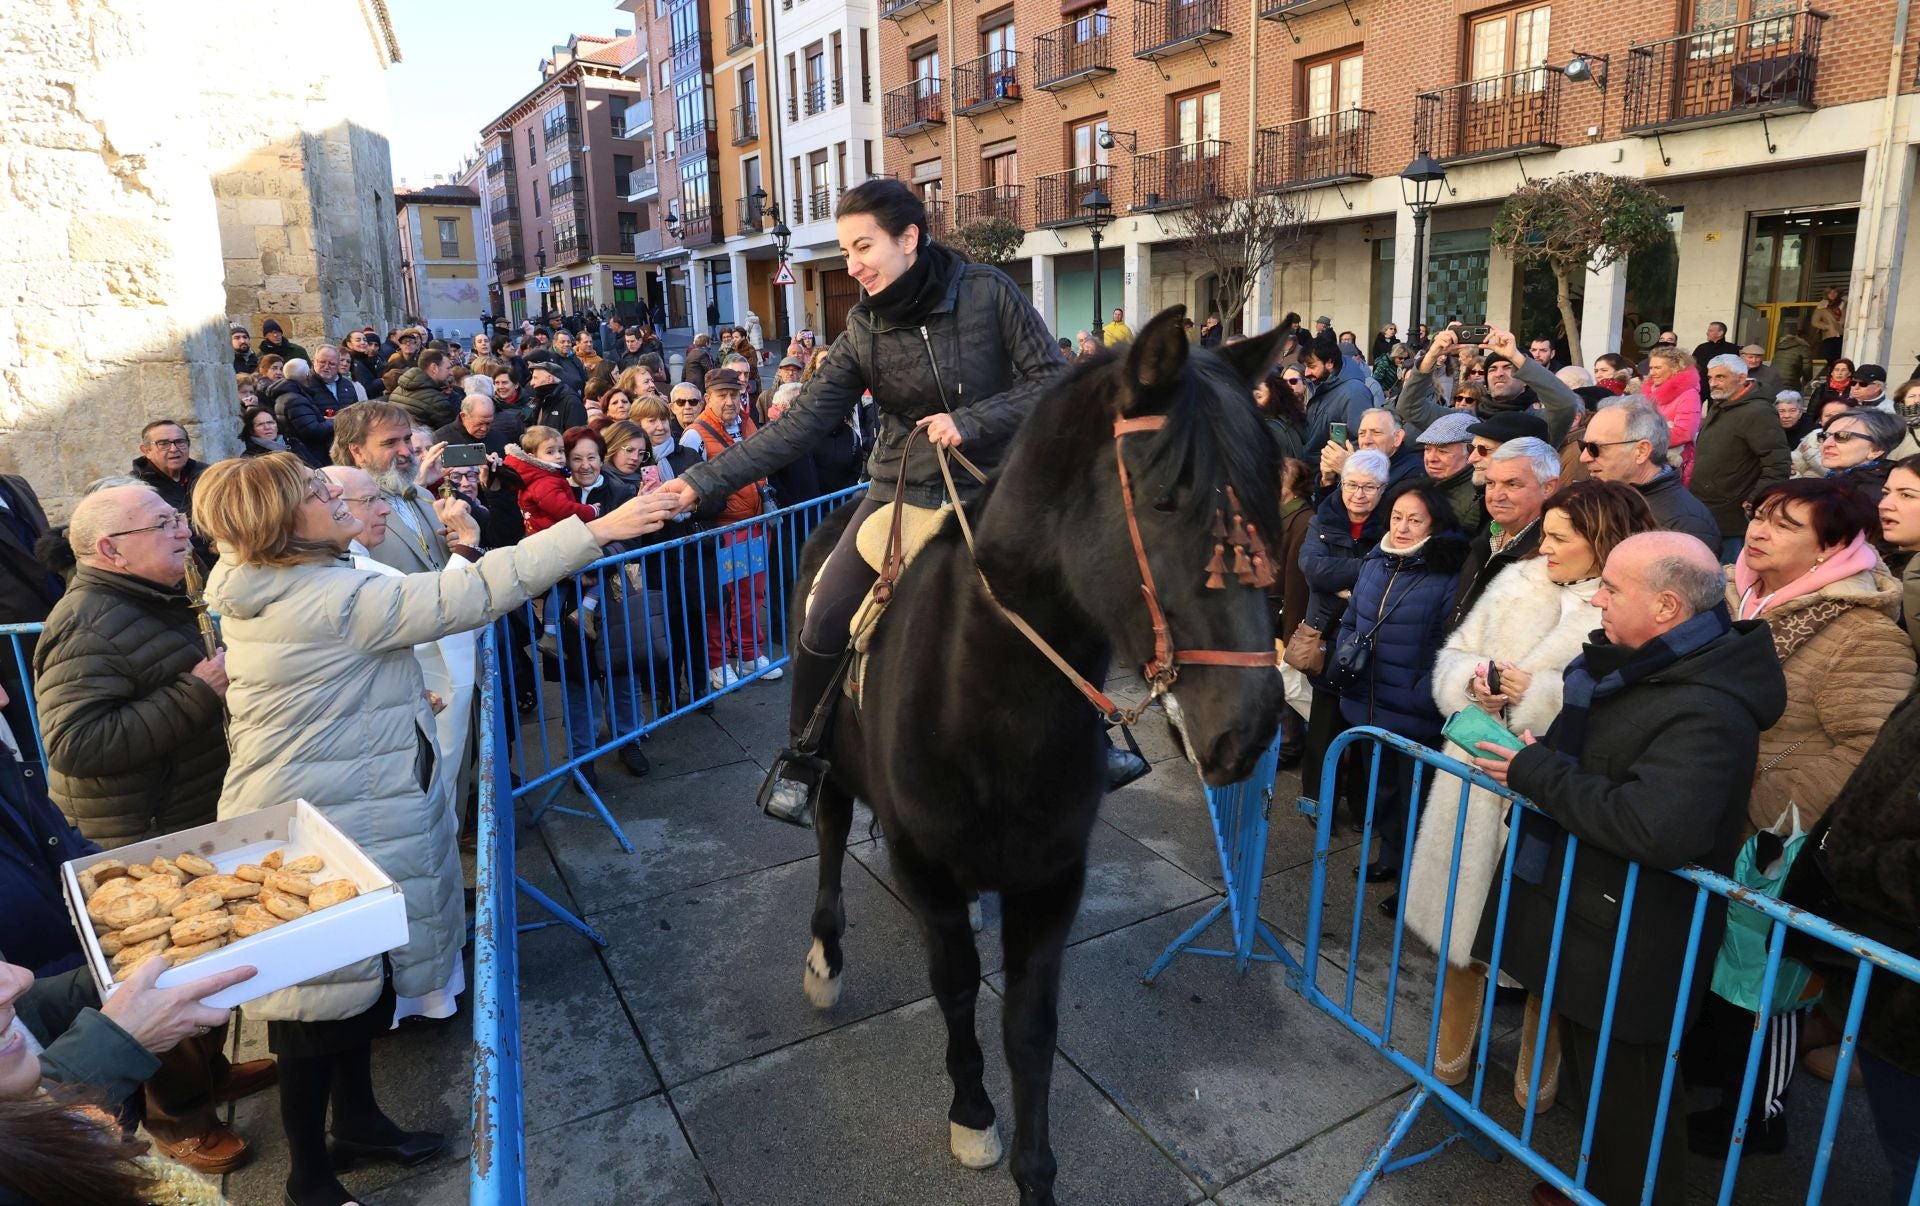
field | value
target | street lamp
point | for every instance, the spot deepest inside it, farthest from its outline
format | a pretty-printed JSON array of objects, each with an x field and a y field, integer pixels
[
  {"x": 1099, "y": 212},
  {"x": 1420, "y": 185}
]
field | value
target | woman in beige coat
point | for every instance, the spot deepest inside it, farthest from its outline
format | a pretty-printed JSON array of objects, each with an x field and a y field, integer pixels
[
  {"x": 1531, "y": 623},
  {"x": 327, "y": 703}
]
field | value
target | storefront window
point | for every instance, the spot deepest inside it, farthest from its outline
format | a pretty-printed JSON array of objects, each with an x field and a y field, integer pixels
[{"x": 1791, "y": 260}]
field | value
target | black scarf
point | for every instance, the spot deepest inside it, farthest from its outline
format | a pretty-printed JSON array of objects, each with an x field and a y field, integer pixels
[{"x": 908, "y": 300}]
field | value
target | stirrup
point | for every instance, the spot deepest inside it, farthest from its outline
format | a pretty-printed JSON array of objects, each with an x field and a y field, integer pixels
[{"x": 792, "y": 786}]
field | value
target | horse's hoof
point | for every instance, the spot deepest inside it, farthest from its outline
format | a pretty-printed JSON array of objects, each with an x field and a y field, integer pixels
[
  {"x": 976, "y": 918},
  {"x": 821, "y": 984},
  {"x": 975, "y": 1149}
]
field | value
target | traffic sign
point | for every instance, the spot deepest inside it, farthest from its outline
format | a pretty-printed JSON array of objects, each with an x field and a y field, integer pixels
[
  {"x": 785, "y": 275},
  {"x": 543, "y": 284}
]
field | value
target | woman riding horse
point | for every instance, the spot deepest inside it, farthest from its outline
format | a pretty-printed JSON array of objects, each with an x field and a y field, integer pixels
[{"x": 954, "y": 355}]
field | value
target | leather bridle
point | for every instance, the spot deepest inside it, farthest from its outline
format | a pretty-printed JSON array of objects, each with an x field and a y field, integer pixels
[{"x": 1163, "y": 669}]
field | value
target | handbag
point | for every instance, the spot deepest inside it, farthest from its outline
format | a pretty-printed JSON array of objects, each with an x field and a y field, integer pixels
[
  {"x": 1306, "y": 650},
  {"x": 1764, "y": 863},
  {"x": 1809, "y": 886},
  {"x": 1355, "y": 654}
]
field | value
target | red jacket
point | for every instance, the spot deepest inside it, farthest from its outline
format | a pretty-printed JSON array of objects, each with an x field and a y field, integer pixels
[
  {"x": 1678, "y": 401},
  {"x": 745, "y": 502},
  {"x": 545, "y": 498}
]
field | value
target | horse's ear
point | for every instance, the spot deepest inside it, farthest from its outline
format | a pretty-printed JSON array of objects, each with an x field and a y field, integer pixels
[
  {"x": 1160, "y": 350},
  {"x": 1253, "y": 358}
]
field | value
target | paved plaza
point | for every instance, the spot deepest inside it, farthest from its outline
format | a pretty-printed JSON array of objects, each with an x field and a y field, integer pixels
[{"x": 683, "y": 1065}]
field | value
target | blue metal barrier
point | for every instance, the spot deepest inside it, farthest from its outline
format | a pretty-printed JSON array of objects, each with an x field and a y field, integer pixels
[{"x": 1462, "y": 1106}]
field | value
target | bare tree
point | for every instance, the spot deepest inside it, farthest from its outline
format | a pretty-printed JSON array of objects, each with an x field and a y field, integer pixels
[{"x": 1233, "y": 237}]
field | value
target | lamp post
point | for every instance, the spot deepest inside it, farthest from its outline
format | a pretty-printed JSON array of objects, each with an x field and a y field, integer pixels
[
  {"x": 1099, "y": 212},
  {"x": 1420, "y": 187}
]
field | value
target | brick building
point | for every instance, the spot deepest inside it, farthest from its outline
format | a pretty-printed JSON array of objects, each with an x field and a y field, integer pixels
[{"x": 1780, "y": 135}]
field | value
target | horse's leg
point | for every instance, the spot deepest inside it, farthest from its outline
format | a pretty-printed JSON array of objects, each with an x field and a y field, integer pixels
[
  {"x": 953, "y": 966},
  {"x": 825, "y": 960},
  {"x": 1034, "y": 929}
]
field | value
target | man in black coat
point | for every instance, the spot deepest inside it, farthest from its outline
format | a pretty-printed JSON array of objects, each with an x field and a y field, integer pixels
[
  {"x": 1650, "y": 761},
  {"x": 166, "y": 463},
  {"x": 274, "y": 341},
  {"x": 28, "y": 590},
  {"x": 566, "y": 365},
  {"x": 1716, "y": 345},
  {"x": 552, "y": 403},
  {"x": 244, "y": 359},
  {"x": 1520, "y": 474},
  {"x": 305, "y": 414},
  {"x": 1627, "y": 442}
]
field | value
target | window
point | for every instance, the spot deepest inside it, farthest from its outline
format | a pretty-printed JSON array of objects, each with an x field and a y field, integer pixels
[
  {"x": 622, "y": 169},
  {"x": 560, "y": 181},
  {"x": 1085, "y": 148},
  {"x": 749, "y": 87},
  {"x": 617, "y": 114},
  {"x": 530, "y": 158},
  {"x": 1332, "y": 85},
  {"x": 926, "y": 73},
  {"x": 536, "y": 199},
  {"x": 1090, "y": 23},
  {"x": 839, "y": 70},
  {"x": 1775, "y": 24},
  {"x": 1196, "y": 123},
  {"x": 449, "y": 239},
  {"x": 840, "y": 164},
  {"x": 692, "y": 103},
  {"x": 629, "y": 227},
  {"x": 694, "y": 198},
  {"x": 750, "y": 181},
  {"x": 1512, "y": 41},
  {"x": 1000, "y": 164},
  {"x": 996, "y": 43},
  {"x": 868, "y": 143},
  {"x": 866, "y": 70}
]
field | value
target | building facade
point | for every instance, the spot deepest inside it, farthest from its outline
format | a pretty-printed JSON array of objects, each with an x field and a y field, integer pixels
[
  {"x": 440, "y": 262},
  {"x": 1780, "y": 135},
  {"x": 557, "y": 165}
]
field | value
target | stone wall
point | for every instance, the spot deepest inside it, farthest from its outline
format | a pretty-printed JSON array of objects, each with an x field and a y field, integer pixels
[{"x": 158, "y": 182}]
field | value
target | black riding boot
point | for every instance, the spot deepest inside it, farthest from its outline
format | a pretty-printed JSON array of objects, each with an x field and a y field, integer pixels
[
  {"x": 794, "y": 780},
  {"x": 1124, "y": 765}
]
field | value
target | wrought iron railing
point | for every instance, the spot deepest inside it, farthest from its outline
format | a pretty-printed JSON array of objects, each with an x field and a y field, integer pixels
[
  {"x": 1724, "y": 74},
  {"x": 739, "y": 29},
  {"x": 1498, "y": 115},
  {"x": 1057, "y": 196},
  {"x": 1073, "y": 52},
  {"x": 694, "y": 138},
  {"x": 819, "y": 204},
  {"x": 751, "y": 218},
  {"x": 1182, "y": 175},
  {"x": 746, "y": 124},
  {"x": 1313, "y": 150},
  {"x": 814, "y": 97},
  {"x": 986, "y": 204},
  {"x": 988, "y": 82},
  {"x": 914, "y": 106},
  {"x": 1164, "y": 27}
]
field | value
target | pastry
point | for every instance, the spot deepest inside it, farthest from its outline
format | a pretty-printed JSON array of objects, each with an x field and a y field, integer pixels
[
  {"x": 332, "y": 893},
  {"x": 193, "y": 864},
  {"x": 247, "y": 927},
  {"x": 108, "y": 868},
  {"x": 130, "y": 955},
  {"x": 112, "y": 941},
  {"x": 274, "y": 859},
  {"x": 305, "y": 865},
  {"x": 142, "y": 931},
  {"x": 197, "y": 902},
  {"x": 202, "y": 927},
  {"x": 124, "y": 910},
  {"x": 283, "y": 906},
  {"x": 229, "y": 887},
  {"x": 165, "y": 866},
  {"x": 88, "y": 884},
  {"x": 164, "y": 890},
  {"x": 181, "y": 954},
  {"x": 138, "y": 870},
  {"x": 293, "y": 883},
  {"x": 113, "y": 889},
  {"x": 253, "y": 873}
]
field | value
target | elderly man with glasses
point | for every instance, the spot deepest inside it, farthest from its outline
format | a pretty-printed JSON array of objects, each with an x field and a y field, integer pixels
[{"x": 166, "y": 464}]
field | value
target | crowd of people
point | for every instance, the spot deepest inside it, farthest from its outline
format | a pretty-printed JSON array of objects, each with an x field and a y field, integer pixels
[{"x": 1684, "y": 587}]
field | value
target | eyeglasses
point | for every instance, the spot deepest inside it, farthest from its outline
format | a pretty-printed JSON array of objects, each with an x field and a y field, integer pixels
[
  {"x": 172, "y": 523},
  {"x": 171, "y": 443},
  {"x": 1842, "y": 437},
  {"x": 1361, "y": 488},
  {"x": 1592, "y": 447},
  {"x": 362, "y": 501},
  {"x": 320, "y": 488}
]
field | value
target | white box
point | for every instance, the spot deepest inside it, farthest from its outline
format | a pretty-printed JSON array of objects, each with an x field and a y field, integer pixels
[{"x": 293, "y": 952}]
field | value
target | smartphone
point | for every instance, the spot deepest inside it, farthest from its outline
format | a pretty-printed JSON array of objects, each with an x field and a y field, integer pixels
[
  {"x": 1477, "y": 334},
  {"x": 1468, "y": 727},
  {"x": 464, "y": 456},
  {"x": 1493, "y": 680},
  {"x": 649, "y": 478},
  {"x": 1337, "y": 434}
]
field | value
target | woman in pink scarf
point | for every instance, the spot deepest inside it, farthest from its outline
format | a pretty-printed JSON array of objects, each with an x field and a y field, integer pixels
[{"x": 1673, "y": 386}]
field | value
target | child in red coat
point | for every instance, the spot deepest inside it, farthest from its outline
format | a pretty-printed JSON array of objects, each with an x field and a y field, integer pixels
[{"x": 540, "y": 459}]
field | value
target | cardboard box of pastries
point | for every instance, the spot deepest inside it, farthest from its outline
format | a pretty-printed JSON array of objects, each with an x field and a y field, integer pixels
[{"x": 281, "y": 890}]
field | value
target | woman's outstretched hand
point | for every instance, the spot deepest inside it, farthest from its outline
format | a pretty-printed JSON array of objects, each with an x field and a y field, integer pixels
[
  {"x": 636, "y": 517},
  {"x": 941, "y": 431},
  {"x": 682, "y": 494}
]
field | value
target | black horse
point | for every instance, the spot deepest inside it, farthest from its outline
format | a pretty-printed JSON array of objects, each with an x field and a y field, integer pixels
[{"x": 982, "y": 760}]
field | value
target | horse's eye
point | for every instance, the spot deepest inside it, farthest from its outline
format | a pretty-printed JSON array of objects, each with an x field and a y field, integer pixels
[{"x": 1165, "y": 503}]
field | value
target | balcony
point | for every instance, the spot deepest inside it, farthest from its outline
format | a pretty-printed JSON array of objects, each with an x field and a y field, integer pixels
[
  {"x": 936, "y": 219},
  {"x": 698, "y": 229},
  {"x": 1732, "y": 73},
  {"x": 506, "y": 265},
  {"x": 752, "y": 220},
  {"x": 1057, "y": 195},
  {"x": 900, "y": 10},
  {"x": 557, "y": 189},
  {"x": 642, "y": 183},
  {"x": 1164, "y": 28},
  {"x": 1284, "y": 11},
  {"x": 639, "y": 117},
  {"x": 497, "y": 168},
  {"x": 1001, "y": 201},
  {"x": 1180, "y": 176},
  {"x": 739, "y": 30},
  {"x": 687, "y": 52},
  {"x": 640, "y": 242},
  {"x": 989, "y": 82},
  {"x": 1329, "y": 149},
  {"x": 813, "y": 98},
  {"x": 819, "y": 205},
  {"x": 1490, "y": 118},
  {"x": 695, "y": 138},
  {"x": 913, "y": 107},
  {"x": 746, "y": 124},
  {"x": 1074, "y": 52},
  {"x": 505, "y": 212}
]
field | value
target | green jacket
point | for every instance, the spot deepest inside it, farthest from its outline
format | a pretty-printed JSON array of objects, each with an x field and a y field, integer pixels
[
  {"x": 82, "y": 1045},
  {"x": 1741, "y": 449}
]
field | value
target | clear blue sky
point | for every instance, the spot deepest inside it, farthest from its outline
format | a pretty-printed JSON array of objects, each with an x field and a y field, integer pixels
[{"x": 463, "y": 61}]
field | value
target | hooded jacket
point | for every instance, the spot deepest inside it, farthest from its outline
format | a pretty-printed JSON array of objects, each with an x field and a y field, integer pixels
[
  {"x": 328, "y": 704},
  {"x": 1742, "y": 449},
  {"x": 1403, "y": 599},
  {"x": 1678, "y": 401},
  {"x": 546, "y": 496},
  {"x": 1341, "y": 398},
  {"x": 1662, "y": 779},
  {"x": 982, "y": 353},
  {"x": 417, "y": 394},
  {"x": 134, "y": 741},
  {"x": 304, "y": 421}
]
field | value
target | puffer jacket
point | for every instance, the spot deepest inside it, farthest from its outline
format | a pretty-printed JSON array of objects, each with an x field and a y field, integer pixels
[
  {"x": 1678, "y": 401},
  {"x": 328, "y": 704},
  {"x": 1403, "y": 600},
  {"x": 983, "y": 353},
  {"x": 546, "y": 495},
  {"x": 1741, "y": 449},
  {"x": 304, "y": 421},
  {"x": 1848, "y": 666},
  {"x": 416, "y": 393},
  {"x": 134, "y": 740},
  {"x": 1330, "y": 559},
  {"x": 1792, "y": 360}
]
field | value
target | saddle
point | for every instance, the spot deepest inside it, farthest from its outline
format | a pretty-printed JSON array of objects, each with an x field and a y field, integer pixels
[{"x": 891, "y": 537}]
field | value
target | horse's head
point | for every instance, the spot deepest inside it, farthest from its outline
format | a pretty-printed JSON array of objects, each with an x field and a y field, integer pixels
[{"x": 1199, "y": 471}]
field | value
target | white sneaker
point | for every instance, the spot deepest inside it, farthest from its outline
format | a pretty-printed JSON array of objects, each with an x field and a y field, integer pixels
[
  {"x": 721, "y": 677},
  {"x": 762, "y": 662}
]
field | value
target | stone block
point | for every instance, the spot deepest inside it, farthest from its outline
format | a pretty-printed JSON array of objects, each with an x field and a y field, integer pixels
[
  {"x": 270, "y": 238},
  {"x": 120, "y": 238},
  {"x": 33, "y": 235},
  {"x": 238, "y": 242},
  {"x": 128, "y": 334},
  {"x": 282, "y": 282},
  {"x": 29, "y": 453},
  {"x": 165, "y": 388},
  {"x": 147, "y": 282},
  {"x": 245, "y": 272},
  {"x": 258, "y": 213}
]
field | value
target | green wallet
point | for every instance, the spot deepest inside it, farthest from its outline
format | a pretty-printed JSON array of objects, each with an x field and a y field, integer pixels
[{"x": 1470, "y": 726}]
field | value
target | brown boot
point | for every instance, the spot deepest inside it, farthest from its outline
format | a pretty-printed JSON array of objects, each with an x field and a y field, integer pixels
[
  {"x": 1460, "y": 1004},
  {"x": 1549, "y": 1065},
  {"x": 1821, "y": 1062}
]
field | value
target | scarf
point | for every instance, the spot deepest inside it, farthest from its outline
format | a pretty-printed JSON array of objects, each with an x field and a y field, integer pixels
[
  {"x": 908, "y": 300},
  {"x": 1620, "y": 668},
  {"x": 276, "y": 444},
  {"x": 662, "y": 454},
  {"x": 1857, "y": 556}
]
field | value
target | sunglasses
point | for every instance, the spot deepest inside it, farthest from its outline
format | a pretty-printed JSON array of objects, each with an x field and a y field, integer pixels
[
  {"x": 1842, "y": 437},
  {"x": 1592, "y": 447}
]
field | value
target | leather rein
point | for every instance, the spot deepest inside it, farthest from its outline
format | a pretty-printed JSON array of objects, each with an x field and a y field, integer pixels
[{"x": 1162, "y": 671}]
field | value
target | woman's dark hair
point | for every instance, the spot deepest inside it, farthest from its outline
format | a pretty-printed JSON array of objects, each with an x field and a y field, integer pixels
[
  {"x": 1837, "y": 361},
  {"x": 1836, "y": 511},
  {"x": 1603, "y": 514},
  {"x": 1282, "y": 402},
  {"x": 246, "y": 420},
  {"x": 1910, "y": 463},
  {"x": 1843, "y": 403},
  {"x": 893, "y": 205},
  {"x": 52, "y": 1152},
  {"x": 1423, "y": 488},
  {"x": 1296, "y": 478},
  {"x": 1884, "y": 431}
]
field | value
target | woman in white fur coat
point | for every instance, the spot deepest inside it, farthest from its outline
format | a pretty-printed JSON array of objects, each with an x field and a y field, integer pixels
[{"x": 1531, "y": 622}]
